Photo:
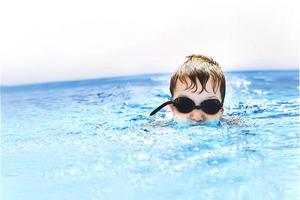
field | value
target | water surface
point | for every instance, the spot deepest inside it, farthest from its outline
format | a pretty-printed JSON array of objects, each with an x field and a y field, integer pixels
[{"x": 94, "y": 139}]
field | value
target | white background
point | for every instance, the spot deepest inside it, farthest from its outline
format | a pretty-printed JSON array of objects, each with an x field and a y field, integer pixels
[{"x": 42, "y": 41}]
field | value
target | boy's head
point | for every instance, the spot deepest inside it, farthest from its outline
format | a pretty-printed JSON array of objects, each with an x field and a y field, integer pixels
[{"x": 199, "y": 78}]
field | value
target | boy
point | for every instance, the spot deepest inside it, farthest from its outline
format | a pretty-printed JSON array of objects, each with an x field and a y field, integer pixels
[{"x": 198, "y": 91}]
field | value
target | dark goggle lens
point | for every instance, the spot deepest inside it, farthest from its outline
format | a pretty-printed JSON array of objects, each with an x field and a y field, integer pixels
[
  {"x": 184, "y": 105},
  {"x": 211, "y": 106}
]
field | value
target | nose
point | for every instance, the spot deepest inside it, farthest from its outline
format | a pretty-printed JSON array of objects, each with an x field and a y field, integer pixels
[{"x": 197, "y": 115}]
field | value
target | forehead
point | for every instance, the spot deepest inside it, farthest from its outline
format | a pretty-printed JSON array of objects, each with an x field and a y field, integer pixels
[{"x": 180, "y": 90}]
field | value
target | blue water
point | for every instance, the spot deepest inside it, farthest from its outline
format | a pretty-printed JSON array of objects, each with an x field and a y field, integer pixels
[{"x": 94, "y": 139}]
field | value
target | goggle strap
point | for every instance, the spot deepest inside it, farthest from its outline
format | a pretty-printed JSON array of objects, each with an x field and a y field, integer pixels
[{"x": 160, "y": 107}]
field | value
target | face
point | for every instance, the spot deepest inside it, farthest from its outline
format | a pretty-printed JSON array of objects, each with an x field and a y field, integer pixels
[{"x": 197, "y": 115}]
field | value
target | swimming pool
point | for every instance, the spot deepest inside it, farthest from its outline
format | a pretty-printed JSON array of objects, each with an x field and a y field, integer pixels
[{"x": 94, "y": 139}]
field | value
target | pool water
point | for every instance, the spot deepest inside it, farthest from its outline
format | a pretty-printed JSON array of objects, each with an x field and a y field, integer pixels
[{"x": 94, "y": 139}]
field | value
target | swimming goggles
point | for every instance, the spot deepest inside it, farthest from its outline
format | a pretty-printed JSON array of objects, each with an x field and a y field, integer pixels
[{"x": 186, "y": 105}]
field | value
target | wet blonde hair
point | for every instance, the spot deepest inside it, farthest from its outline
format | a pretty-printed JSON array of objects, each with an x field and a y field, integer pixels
[{"x": 202, "y": 68}]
